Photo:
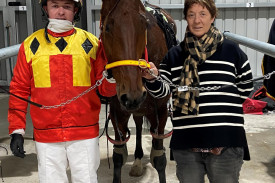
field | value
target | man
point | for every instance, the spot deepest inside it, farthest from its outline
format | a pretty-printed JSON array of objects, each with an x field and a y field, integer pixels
[{"x": 54, "y": 65}]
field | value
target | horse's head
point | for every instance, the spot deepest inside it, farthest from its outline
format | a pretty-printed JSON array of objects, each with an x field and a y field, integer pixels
[{"x": 124, "y": 26}]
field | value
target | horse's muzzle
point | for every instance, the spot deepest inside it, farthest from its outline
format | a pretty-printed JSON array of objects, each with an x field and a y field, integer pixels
[{"x": 131, "y": 103}]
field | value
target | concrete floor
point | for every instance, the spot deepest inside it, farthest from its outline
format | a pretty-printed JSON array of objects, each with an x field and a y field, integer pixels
[{"x": 260, "y": 134}]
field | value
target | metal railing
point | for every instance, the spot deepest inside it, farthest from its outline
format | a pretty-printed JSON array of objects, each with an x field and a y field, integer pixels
[
  {"x": 266, "y": 48},
  {"x": 93, "y": 6},
  {"x": 9, "y": 52}
]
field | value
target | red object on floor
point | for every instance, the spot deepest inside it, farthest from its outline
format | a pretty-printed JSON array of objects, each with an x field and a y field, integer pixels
[{"x": 251, "y": 106}]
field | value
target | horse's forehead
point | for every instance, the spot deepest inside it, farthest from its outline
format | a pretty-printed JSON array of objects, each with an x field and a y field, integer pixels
[
  {"x": 123, "y": 5},
  {"x": 131, "y": 2}
]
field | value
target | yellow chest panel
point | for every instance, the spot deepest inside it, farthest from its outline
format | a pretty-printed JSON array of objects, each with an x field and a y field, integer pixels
[{"x": 74, "y": 51}]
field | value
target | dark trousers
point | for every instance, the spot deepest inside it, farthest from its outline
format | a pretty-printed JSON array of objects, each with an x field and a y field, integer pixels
[{"x": 223, "y": 168}]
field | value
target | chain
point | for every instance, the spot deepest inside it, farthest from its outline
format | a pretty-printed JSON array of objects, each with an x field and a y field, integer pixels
[
  {"x": 183, "y": 88},
  {"x": 268, "y": 76},
  {"x": 98, "y": 83},
  {"x": 180, "y": 88},
  {"x": 189, "y": 88}
]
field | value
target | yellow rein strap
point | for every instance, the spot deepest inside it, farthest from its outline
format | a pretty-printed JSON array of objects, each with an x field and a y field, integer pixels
[{"x": 141, "y": 63}]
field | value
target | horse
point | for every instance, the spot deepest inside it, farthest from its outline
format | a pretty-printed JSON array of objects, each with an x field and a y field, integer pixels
[{"x": 129, "y": 34}]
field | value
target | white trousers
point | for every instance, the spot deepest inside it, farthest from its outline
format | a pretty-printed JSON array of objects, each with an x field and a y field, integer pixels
[{"x": 81, "y": 156}]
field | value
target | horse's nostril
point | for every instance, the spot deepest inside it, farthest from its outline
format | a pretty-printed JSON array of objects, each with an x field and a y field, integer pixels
[
  {"x": 123, "y": 98},
  {"x": 129, "y": 103}
]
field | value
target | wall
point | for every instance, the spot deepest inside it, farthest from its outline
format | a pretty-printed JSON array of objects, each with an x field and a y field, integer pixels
[
  {"x": 16, "y": 23},
  {"x": 234, "y": 16},
  {"x": 251, "y": 22}
]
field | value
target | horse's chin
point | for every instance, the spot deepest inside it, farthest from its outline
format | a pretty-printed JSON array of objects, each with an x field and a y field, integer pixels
[
  {"x": 129, "y": 108},
  {"x": 131, "y": 104}
]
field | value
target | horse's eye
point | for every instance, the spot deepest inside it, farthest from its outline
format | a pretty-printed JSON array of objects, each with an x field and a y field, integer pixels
[
  {"x": 107, "y": 28},
  {"x": 109, "y": 24}
]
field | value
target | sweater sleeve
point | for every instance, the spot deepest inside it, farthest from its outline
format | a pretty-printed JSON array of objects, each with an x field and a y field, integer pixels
[
  {"x": 243, "y": 75},
  {"x": 21, "y": 86},
  {"x": 161, "y": 87}
]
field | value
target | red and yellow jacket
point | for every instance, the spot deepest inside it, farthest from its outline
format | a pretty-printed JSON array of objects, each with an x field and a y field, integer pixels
[{"x": 53, "y": 73}]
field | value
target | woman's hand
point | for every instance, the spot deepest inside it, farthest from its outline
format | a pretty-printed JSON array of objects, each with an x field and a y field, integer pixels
[{"x": 151, "y": 75}]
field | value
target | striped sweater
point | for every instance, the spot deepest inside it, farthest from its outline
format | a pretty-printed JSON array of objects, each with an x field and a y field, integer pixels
[{"x": 220, "y": 121}]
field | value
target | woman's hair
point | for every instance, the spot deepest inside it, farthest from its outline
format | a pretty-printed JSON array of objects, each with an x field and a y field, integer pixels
[{"x": 209, "y": 4}]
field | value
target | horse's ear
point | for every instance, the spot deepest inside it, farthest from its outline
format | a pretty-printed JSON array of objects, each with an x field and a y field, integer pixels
[
  {"x": 142, "y": 11},
  {"x": 146, "y": 20},
  {"x": 144, "y": 17}
]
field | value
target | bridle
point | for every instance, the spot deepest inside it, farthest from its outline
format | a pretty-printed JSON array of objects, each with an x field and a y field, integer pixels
[{"x": 142, "y": 63}]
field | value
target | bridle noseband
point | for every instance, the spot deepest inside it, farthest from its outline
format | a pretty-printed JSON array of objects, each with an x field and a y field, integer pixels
[{"x": 143, "y": 64}]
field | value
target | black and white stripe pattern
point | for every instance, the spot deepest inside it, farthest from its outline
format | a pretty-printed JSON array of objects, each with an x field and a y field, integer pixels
[{"x": 218, "y": 109}]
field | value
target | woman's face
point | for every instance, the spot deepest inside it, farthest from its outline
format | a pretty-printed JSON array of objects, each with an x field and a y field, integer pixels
[{"x": 199, "y": 20}]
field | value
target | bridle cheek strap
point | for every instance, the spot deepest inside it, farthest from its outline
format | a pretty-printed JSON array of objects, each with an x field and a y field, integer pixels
[{"x": 142, "y": 63}]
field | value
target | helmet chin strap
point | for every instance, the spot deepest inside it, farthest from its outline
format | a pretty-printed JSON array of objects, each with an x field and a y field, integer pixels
[{"x": 46, "y": 32}]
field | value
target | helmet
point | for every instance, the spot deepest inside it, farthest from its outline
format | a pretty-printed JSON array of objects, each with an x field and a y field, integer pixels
[{"x": 78, "y": 4}]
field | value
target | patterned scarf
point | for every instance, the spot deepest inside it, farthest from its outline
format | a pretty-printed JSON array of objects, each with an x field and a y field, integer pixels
[{"x": 199, "y": 50}]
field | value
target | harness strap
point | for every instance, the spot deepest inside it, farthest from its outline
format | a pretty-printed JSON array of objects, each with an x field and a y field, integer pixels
[
  {"x": 161, "y": 136},
  {"x": 146, "y": 54},
  {"x": 118, "y": 142},
  {"x": 122, "y": 140}
]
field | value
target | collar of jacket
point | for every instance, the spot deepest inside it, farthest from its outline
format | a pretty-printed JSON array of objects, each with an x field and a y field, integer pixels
[{"x": 63, "y": 34}]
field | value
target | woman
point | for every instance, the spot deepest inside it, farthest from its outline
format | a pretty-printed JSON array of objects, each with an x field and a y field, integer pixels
[{"x": 208, "y": 124}]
